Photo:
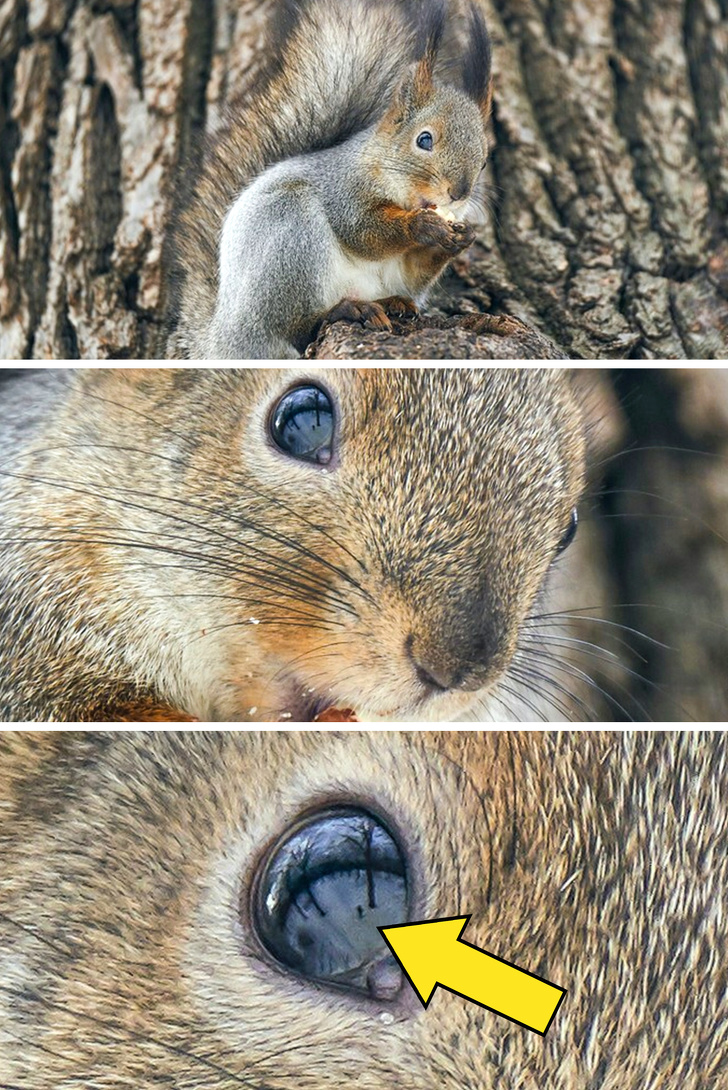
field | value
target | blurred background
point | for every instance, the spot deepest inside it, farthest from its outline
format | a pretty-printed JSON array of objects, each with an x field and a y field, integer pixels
[{"x": 644, "y": 589}]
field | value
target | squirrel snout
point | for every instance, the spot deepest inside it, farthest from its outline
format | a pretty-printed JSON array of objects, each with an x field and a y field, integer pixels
[
  {"x": 460, "y": 660},
  {"x": 459, "y": 192}
]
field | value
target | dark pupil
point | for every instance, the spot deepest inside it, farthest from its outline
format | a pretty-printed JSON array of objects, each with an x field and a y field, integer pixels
[
  {"x": 324, "y": 893},
  {"x": 303, "y": 424},
  {"x": 424, "y": 141}
]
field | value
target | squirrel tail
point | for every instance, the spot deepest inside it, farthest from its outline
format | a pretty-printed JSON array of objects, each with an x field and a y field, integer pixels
[{"x": 333, "y": 66}]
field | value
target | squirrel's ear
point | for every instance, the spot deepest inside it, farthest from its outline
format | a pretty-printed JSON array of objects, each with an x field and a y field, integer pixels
[
  {"x": 417, "y": 87},
  {"x": 414, "y": 92},
  {"x": 486, "y": 103},
  {"x": 477, "y": 80}
]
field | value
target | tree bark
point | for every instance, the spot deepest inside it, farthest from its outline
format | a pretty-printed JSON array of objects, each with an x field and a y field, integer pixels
[
  {"x": 609, "y": 171},
  {"x": 664, "y": 509}
]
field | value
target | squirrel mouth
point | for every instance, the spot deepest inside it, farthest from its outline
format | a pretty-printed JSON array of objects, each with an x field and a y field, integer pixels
[{"x": 307, "y": 706}]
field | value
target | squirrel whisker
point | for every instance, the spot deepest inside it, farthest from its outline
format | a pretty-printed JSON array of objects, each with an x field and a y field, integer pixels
[
  {"x": 689, "y": 514},
  {"x": 230, "y": 571},
  {"x": 624, "y": 669},
  {"x": 527, "y": 672},
  {"x": 571, "y": 670},
  {"x": 526, "y": 677},
  {"x": 265, "y": 494},
  {"x": 243, "y": 523},
  {"x": 308, "y": 655},
  {"x": 583, "y": 613},
  {"x": 522, "y": 699},
  {"x": 247, "y": 524}
]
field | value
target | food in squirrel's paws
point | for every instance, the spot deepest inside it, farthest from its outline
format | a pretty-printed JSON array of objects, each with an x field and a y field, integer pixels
[
  {"x": 336, "y": 715},
  {"x": 445, "y": 214}
]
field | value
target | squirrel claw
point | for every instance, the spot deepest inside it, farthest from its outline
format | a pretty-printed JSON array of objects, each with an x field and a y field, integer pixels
[
  {"x": 430, "y": 229},
  {"x": 464, "y": 235},
  {"x": 399, "y": 307},
  {"x": 371, "y": 315}
]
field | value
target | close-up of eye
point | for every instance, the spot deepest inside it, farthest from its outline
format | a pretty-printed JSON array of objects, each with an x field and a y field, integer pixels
[
  {"x": 425, "y": 141},
  {"x": 570, "y": 532},
  {"x": 323, "y": 892},
  {"x": 302, "y": 425}
]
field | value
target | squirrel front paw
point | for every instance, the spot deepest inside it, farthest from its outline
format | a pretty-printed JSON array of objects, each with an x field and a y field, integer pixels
[
  {"x": 399, "y": 306},
  {"x": 430, "y": 229},
  {"x": 370, "y": 315}
]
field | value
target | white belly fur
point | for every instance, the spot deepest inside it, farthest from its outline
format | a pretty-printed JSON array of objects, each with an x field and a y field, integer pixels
[{"x": 356, "y": 278}]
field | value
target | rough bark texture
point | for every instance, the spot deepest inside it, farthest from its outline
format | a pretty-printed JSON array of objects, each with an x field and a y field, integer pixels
[
  {"x": 609, "y": 173},
  {"x": 473, "y": 336}
]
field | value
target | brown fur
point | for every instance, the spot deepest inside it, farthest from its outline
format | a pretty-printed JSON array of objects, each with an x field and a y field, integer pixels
[
  {"x": 158, "y": 550},
  {"x": 597, "y": 860}
]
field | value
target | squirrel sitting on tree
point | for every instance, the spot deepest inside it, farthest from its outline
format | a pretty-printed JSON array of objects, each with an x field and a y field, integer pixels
[{"x": 340, "y": 186}]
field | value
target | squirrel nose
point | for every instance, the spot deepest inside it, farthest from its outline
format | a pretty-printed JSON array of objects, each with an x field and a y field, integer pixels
[
  {"x": 463, "y": 662},
  {"x": 430, "y": 681},
  {"x": 460, "y": 192}
]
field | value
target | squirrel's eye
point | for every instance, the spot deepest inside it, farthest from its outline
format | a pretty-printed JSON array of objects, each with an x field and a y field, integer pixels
[
  {"x": 425, "y": 141},
  {"x": 323, "y": 892},
  {"x": 302, "y": 424},
  {"x": 570, "y": 533}
]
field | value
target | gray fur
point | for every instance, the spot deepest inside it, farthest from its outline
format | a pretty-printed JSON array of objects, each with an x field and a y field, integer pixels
[{"x": 27, "y": 400}]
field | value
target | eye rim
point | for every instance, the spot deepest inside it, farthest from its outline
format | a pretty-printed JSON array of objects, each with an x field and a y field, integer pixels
[
  {"x": 322, "y": 464},
  {"x": 252, "y": 900},
  {"x": 427, "y": 136},
  {"x": 570, "y": 534}
]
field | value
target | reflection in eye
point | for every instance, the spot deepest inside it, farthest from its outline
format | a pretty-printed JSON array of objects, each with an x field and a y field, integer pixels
[
  {"x": 302, "y": 425},
  {"x": 323, "y": 893}
]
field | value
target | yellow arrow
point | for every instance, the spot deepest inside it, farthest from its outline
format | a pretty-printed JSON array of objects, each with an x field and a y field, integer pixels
[{"x": 432, "y": 953}]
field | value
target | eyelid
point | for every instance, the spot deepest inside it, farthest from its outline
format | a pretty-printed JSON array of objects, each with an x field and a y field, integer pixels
[{"x": 570, "y": 532}]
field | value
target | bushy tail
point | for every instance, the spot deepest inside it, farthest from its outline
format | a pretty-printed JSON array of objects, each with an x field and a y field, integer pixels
[{"x": 333, "y": 67}]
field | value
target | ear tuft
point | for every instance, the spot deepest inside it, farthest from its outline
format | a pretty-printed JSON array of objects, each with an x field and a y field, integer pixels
[
  {"x": 413, "y": 93},
  {"x": 477, "y": 62},
  {"x": 418, "y": 86},
  {"x": 430, "y": 30}
]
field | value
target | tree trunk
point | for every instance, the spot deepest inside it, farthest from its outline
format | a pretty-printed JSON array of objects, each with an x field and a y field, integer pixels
[
  {"x": 664, "y": 510},
  {"x": 609, "y": 172}
]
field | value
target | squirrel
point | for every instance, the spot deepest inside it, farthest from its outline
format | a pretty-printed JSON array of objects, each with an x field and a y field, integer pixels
[
  {"x": 262, "y": 544},
  {"x": 340, "y": 185},
  {"x": 132, "y": 953}
]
